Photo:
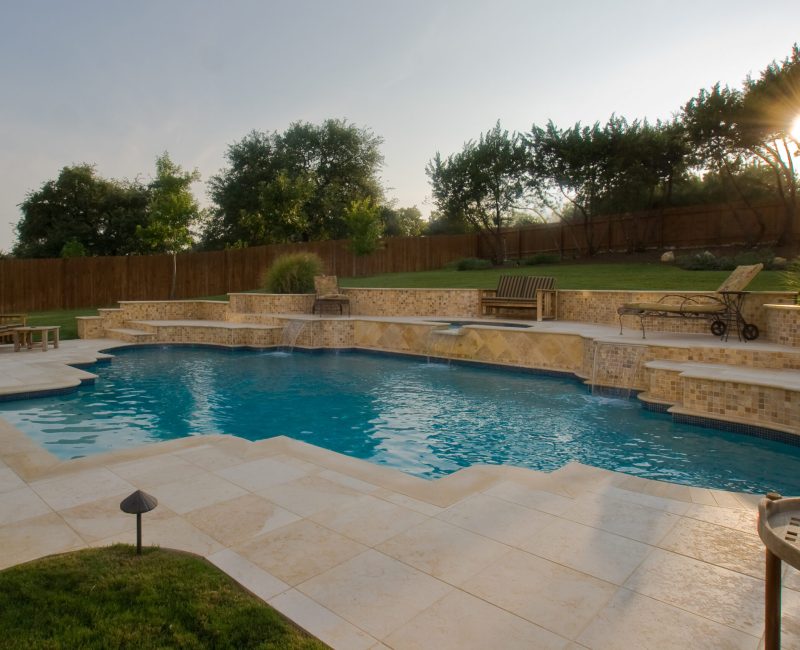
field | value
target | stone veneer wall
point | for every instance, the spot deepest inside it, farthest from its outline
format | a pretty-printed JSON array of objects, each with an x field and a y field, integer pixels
[
  {"x": 167, "y": 310},
  {"x": 623, "y": 364},
  {"x": 601, "y": 307},
  {"x": 90, "y": 327},
  {"x": 731, "y": 400},
  {"x": 415, "y": 302},
  {"x": 270, "y": 303},
  {"x": 560, "y": 352},
  {"x": 783, "y": 324}
]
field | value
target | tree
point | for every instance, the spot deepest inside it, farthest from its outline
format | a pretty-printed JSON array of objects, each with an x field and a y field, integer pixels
[
  {"x": 364, "y": 228},
  {"x": 588, "y": 171},
  {"x": 402, "y": 222},
  {"x": 99, "y": 214},
  {"x": 769, "y": 110},
  {"x": 171, "y": 212},
  {"x": 481, "y": 184},
  {"x": 733, "y": 130},
  {"x": 293, "y": 186}
]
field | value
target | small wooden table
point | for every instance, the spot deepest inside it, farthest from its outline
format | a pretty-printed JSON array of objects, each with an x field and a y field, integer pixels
[{"x": 24, "y": 336}]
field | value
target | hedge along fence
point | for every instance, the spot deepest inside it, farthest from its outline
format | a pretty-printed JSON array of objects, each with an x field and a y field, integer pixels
[
  {"x": 687, "y": 227},
  {"x": 44, "y": 284}
]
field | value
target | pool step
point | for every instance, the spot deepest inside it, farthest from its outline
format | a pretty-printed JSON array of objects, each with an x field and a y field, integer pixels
[
  {"x": 212, "y": 332},
  {"x": 762, "y": 396},
  {"x": 130, "y": 335}
]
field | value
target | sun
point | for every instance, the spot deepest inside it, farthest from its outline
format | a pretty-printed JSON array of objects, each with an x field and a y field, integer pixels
[{"x": 795, "y": 130}]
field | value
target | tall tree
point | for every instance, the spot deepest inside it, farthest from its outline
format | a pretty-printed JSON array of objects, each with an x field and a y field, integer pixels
[
  {"x": 402, "y": 222},
  {"x": 481, "y": 184},
  {"x": 770, "y": 109},
  {"x": 293, "y": 186},
  {"x": 81, "y": 207},
  {"x": 171, "y": 212},
  {"x": 588, "y": 171}
]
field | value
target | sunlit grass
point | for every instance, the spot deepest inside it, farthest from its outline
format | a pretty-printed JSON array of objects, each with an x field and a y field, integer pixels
[{"x": 112, "y": 598}]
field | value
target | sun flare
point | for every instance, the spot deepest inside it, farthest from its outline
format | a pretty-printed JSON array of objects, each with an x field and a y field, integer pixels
[{"x": 795, "y": 130}]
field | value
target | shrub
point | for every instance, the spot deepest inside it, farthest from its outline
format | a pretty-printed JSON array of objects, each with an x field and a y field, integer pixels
[
  {"x": 292, "y": 273},
  {"x": 473, "y": 264},
  {"x": 705, "y": 261},
  {"x": 541, "y": 258}
]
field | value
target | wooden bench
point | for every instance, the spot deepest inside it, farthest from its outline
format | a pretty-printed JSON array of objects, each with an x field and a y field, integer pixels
[
  {"x": 525, "y": 292},
  {"x": 8, "y": 322}
]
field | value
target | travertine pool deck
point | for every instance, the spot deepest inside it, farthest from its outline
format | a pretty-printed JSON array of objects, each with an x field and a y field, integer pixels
[{"x": 367, "y": 557}]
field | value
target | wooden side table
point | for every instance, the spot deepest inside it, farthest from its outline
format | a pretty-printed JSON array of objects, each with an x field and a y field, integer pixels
[{"x": 24, "y": 336}]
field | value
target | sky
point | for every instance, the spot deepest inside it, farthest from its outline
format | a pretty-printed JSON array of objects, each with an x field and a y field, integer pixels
[{"x": 117, "y": 83}]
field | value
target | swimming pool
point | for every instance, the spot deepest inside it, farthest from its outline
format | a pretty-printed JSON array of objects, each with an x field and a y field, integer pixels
[{"x": 426, "y": 419}]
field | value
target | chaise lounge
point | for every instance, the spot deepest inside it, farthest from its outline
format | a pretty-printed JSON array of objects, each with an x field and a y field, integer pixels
[{"x": 723, "y": 310}]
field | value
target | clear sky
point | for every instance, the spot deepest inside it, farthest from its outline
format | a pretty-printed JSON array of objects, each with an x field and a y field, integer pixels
[{"x": 116, "y": 83}]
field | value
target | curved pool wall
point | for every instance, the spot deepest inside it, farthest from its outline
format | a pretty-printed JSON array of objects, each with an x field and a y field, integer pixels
[{"x": 426, "y": 419}]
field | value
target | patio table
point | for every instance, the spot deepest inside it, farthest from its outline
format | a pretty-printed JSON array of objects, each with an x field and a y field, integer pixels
[{"x": 24, "y": 336}]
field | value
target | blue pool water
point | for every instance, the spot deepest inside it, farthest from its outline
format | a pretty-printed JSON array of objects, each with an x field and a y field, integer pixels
[{"x": 424, "y": 419}]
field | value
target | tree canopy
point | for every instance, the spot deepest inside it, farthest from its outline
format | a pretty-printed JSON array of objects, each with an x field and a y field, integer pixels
[
  {"x": 481, "y": 184},
  {"x": 293, "y": 186},
  {"x": 81, "y": 207}
]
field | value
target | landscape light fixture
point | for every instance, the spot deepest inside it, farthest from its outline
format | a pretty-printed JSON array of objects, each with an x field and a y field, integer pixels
[{"x": 136, "y": 504}]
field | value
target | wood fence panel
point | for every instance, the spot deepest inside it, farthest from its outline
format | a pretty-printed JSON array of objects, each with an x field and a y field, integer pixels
[{"x": 39, "y": 285}]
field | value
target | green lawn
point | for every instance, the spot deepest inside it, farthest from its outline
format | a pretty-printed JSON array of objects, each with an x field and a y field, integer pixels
[
  {"x": 65, "y": 318},
  {"x": 654, "y": 276},
  {"x": 112, "y": 598}
]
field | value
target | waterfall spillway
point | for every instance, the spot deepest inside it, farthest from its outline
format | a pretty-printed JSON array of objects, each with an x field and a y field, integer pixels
[
  {"x": 615, "y": 367},
  {"x": 291, "y": 333}
]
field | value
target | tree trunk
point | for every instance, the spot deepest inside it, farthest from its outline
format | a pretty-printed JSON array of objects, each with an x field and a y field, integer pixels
[{"x": 174, "y": 276}]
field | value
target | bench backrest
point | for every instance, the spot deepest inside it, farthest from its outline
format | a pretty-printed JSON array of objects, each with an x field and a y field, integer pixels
[{"x": 523, "y": 286}]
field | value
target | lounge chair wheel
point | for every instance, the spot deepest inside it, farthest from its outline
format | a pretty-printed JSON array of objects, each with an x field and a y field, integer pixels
[
  {"x": 750, "y": 332},
  {"x": 718, "y": 328}
]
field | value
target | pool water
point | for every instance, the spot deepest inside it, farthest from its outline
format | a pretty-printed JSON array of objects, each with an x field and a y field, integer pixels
[{"x": 426, "y": 419}]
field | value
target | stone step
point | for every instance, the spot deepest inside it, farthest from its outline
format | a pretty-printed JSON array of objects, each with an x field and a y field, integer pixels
[
  {"x": 129, "y": 334},
  {"x": 212, "y": 332},
  {"x": 772, "y": 378}
]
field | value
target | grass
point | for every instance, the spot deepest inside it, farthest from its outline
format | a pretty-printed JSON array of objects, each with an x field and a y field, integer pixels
[
  {"x": 112, "y": 598},
  {"x": 652, "y": 276},
  {"x": 644, "y": 276},
  {"x": 65, "y": 318}
]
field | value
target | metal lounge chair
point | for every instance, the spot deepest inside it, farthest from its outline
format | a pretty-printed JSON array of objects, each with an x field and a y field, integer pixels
[
  {"x": 328, "y": 295},
  {"x": 723, "y": 309}
]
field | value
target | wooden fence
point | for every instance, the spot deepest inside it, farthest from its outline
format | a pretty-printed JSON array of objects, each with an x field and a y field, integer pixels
[{"x": 45, "y": 284}]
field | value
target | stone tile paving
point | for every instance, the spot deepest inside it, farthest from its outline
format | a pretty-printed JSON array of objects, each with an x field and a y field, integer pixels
[{"x": 365, "y": 557}]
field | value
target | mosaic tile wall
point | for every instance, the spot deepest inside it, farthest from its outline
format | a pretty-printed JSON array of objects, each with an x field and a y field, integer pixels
[
  {"x": 665, "y": 385},
  {"x": 247, "y": 335},
  {"x": 265, "y": 303},
  {"x": 560, "y": 352},
  {"x": 764, "y": 405},
  {"x": 166, "y": 310},
  {"x": 783, "y": 324},
  {"x": 414, "y": 302},
  {"x": 90, "y": 327}
]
